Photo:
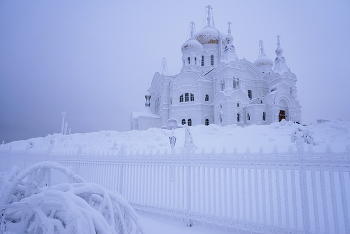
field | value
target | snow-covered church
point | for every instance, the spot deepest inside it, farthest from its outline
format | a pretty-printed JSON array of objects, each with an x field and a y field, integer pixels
[{"x": 215, "y": 86}]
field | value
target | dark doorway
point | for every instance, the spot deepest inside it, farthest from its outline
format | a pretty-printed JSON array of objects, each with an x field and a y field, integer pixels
[{"x": 282, "y": 115}]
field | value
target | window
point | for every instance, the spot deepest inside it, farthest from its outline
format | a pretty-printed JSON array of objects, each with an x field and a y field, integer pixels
[
  {"x": 264, "y": 116},
  {"x": 235, "y": 83},
  {"x": 206, "y": 122},
  {"x": 248, "y": 117},
  {"x": 222, "y": 85},
  {"x": 237, "y": 117},
  {"x": 181, "y": 98},
  {"x": 261, "y": 101},
  {"x": 207, "y": 98},
  {"x": 202, "y": 62},
  {"x": 220, "y": 118},
  {"x": 249, "y": 94},
  {"x": 195, "y": 60},
  {"x": 212, "y": 60},
  {"x": 237, "y": 104},
  {"x": 189, "y": 60},
  {"x": 183, "y": 121},
  {"x": 186, "y": 97},
  {"x": 189, "y": 122}
]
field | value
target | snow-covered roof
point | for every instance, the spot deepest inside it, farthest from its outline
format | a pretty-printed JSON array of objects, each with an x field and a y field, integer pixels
[{"x": 146, "y": 112}]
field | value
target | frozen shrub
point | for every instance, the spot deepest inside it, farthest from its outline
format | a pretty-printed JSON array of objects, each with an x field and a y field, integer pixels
[
  {"x": 29, "y": 204},
  {"x": 304, "y": 135}
]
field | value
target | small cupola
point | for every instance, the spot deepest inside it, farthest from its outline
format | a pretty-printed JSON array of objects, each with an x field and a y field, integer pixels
[
  {"x": 263, "y": 61},
  {"x": 191, "y": 50}
]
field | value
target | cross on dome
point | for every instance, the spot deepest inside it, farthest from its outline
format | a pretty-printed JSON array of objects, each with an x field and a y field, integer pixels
[
  {"x": 229, "y": 27},
  {"x": 261, "y": 47},
  {"x": 278, "y": 40},
  {"x": 209, "y": 14},
  {"x": 192, "y": 28}
]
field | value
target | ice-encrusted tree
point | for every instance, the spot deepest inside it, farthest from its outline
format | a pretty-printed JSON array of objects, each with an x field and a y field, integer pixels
[{"x": 30, "y": 204}]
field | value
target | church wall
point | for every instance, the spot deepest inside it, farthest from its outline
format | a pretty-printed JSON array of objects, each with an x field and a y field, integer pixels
[{"x": 255, "y": 112}]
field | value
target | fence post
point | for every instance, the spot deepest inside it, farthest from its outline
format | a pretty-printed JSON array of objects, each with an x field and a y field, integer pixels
[
  {"x": 303, "y": 188},
  {"x": 121, "y": 170}
]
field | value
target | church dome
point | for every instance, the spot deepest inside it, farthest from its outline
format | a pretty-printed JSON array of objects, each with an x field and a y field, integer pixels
[
  {"x": 209, "y": 35},
  {"x": 263, "y": 60},
  {"x": 191, "y": 44}
]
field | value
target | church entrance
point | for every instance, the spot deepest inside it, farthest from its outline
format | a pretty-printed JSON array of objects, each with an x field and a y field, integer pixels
[{"x": 282, "y": 115}]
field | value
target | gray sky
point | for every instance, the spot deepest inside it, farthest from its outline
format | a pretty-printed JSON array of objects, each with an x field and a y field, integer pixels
[{"x": 95, "y": 59}]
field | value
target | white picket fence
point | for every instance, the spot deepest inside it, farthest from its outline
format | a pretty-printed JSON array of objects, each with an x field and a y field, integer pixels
[{"x": 292, "y": 192}]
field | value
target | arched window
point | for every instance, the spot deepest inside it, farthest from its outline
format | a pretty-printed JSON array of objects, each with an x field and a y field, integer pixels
[
  {"x": 249, "y": 94},
  {"x": 181, "y": 98},
  {"x": 248, "y": 117},
  {"x": 237, "y": 104},
  {"x": 238, "y": 117},
  {"x": 222, "y": 85},
  {"x": 212, "y": 60},
  {"x": 189, "y": 122},
  {"x": 207, "y": 98},
  {"x": 186, "y": 97},
  {"x": 192, "y": 97},
  {"x": 183, "y": 121},
  {"x": 237, "y": 83},
  {"x": 264, "y": 116},
  {"x": 202, "y": 62},
  {"x": 195, "y": 60},
  {"x": 206, "y": 122},
  {"x": 220, "y": 118},
  {"x": 189, "y": 60},
  {"x": 234, "y": 83}
]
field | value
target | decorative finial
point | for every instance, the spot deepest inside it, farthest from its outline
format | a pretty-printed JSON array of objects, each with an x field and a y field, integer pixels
[
  {"x": 192, "y": 28},
  {"x": 229, "y": 27},
  {"x": 261, "y": 47},
  {"x": 278, "y": 40},
  {"x": 209, "y": 16},
  {"x": 164, "y": 67}
]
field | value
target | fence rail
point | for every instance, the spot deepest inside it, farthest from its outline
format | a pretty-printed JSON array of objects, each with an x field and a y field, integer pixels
[{"x": 291, "y": 192}]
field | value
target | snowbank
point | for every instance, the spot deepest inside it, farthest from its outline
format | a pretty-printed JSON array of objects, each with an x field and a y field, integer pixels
[{"x": 334, "y": 134}]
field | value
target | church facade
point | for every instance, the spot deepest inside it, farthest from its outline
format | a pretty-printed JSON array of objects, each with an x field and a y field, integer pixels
[{"x": 216, "y": 87}]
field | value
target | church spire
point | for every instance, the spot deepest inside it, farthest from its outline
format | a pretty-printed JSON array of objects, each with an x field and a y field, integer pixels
[{"x": 280, "y": 61}]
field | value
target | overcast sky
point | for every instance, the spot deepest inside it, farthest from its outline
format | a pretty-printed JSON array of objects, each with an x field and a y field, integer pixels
[{"x": 95, "y": 59}]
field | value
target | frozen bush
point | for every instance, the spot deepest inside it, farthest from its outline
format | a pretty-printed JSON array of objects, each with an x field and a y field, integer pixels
[{"x": 29, "y": 204}]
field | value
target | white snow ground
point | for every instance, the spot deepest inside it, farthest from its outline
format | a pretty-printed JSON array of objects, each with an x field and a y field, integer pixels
[
  {"x": 334, "y": 134},
  {"x": 153, "y": 224}
]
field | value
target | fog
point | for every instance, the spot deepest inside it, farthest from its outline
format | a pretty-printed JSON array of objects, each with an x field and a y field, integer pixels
[{"x": 95, "y": 59}]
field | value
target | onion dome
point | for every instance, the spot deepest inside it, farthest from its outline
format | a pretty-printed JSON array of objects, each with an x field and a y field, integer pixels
[
  {"x": 191, "y": 44},
  {"x": 263, "y": 60},
  {"x": 209, "y": 35}
]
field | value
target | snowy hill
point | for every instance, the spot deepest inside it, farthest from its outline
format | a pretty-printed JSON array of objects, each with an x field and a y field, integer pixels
[{"x": 334, "y": 134}]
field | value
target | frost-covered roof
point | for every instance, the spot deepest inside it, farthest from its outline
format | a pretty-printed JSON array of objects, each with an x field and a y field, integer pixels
[{"x": 145, "y": 113}]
